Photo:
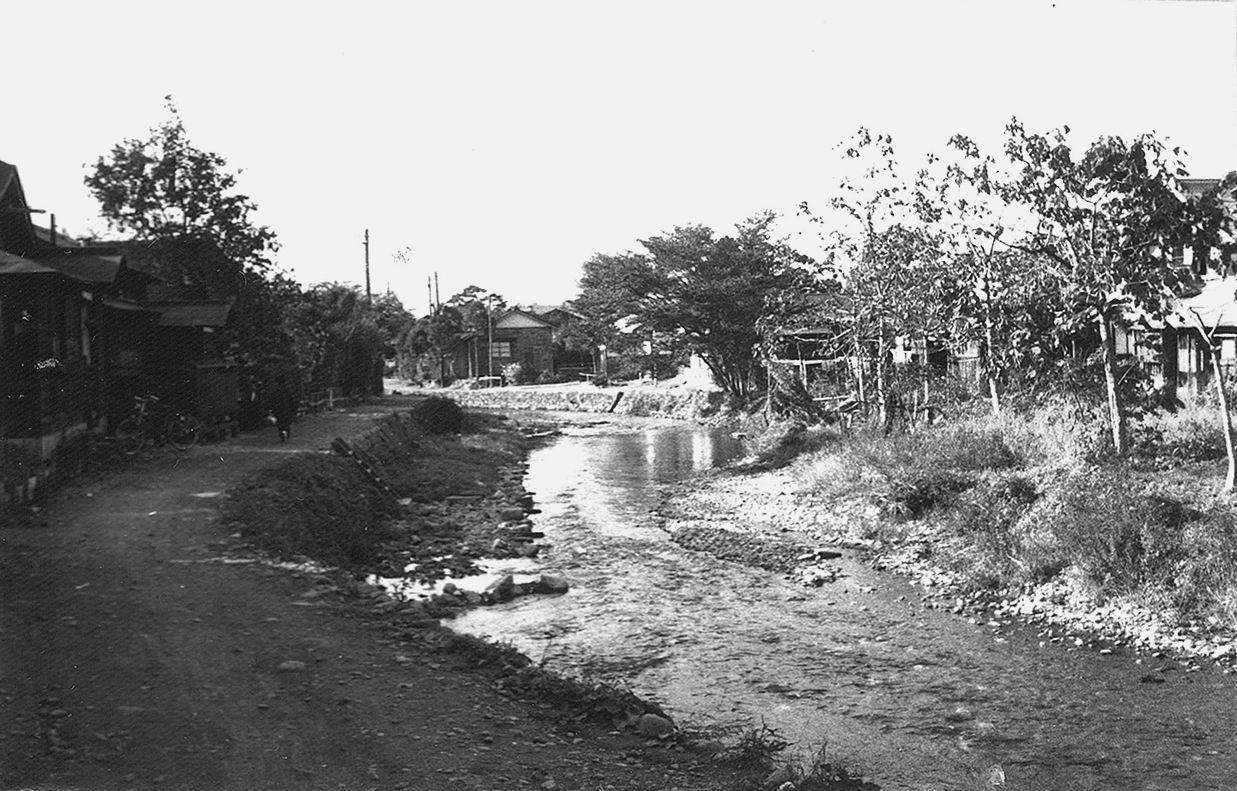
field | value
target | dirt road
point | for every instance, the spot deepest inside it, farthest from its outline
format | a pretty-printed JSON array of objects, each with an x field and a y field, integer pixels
[{"x": 135, "y": 653}]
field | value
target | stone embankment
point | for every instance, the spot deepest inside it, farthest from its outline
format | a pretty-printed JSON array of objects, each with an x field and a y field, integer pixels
[{"x": 681, "y": 403}]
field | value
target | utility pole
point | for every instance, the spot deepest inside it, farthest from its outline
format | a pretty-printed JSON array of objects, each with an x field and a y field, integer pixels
[{"x": 369, "y": 297}]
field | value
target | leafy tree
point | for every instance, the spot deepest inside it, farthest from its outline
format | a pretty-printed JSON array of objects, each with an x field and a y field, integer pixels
[
  {"x": 883, "y": 255},
  {"x": 337, "y": 338},
  {"x": 428, "y": 340},
  {"x": 983, "y": 291},
  {"x": 696, "y": 293},
  {"x": 191, "y": 228},
  {"x": 1111, "y": 221},
  {"x": 165, "y": 188},
  {"x": 391, "y": 319},
  {"x": 1215, "y": 213},
  {"x": 477, "y": 307}
]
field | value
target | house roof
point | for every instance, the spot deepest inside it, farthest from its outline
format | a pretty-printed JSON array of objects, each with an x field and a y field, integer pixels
[
  {"x": 60, "y": 238},
  {"x": 16, "y": 265},
  {"x": 127, "y": 305},
  {"x": 193, "y": 314},
  {"x": 516, "y": 319},
  {"x": 16, "y": 231},
  {"x": 87, "y": 264},
  {"x": 1215, "y": 305}
]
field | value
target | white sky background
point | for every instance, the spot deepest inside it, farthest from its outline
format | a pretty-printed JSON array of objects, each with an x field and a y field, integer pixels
[{"x": 504, "y": 143}]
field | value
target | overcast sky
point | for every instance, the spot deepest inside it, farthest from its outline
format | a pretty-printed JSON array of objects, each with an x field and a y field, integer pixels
[{"x": 504, "y": 143}]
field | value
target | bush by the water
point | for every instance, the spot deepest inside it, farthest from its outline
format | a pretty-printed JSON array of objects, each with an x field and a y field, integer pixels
[
  {"x": 910, "y": 474},
  {"x": 1021, "y": 499},
  {"x": 439, "y": 415}
]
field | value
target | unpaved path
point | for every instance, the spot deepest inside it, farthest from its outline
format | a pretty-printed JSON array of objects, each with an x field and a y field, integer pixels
[{"x": 132, "y": 656}]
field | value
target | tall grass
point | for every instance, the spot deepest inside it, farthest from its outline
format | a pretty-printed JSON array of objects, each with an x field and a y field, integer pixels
[{"x": 1022, "y": 498}]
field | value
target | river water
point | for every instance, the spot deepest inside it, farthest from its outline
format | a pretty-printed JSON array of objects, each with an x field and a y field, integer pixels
[{"x": 911, "y": 697}]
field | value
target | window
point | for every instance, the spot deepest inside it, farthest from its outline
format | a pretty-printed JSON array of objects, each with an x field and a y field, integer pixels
[{"x": 500, "y": 350}]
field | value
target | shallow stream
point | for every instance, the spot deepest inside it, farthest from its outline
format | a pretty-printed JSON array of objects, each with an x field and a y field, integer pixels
[{"x": 913, "y": 698}]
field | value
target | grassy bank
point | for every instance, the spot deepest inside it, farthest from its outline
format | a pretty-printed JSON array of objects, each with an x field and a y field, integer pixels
[{"x": 1027, "y": 509}]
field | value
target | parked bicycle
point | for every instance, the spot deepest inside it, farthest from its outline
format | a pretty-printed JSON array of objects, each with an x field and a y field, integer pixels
[{"x": 154, "y": 422}]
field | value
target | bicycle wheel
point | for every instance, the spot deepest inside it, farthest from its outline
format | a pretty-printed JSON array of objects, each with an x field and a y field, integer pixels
[
  {"x": 132, "y": 434},
  {"x": 184, "y": 431}
]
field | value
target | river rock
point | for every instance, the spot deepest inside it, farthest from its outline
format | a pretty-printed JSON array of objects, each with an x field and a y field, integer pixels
[
  {"x": 502, "y": 589},
  {"x": 779, "y": 777},
  {"x": 654, "y": 726},
  {"x": 412, "y": 610},
  {"x": 511, "y": 514},
  {"x": 551, "y": 583}
]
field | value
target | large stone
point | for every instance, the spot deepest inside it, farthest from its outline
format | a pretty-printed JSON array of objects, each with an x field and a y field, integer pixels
[
  {"x": 551, "y": 583},
  {"x": 502, "y": 589},
  {"x": 654, "y": 726}
]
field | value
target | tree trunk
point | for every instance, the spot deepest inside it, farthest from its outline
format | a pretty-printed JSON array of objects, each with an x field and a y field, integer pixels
[
  {"x": 1115, "y": 414},
  {"x": 859, "y": 374},
  {"x": 990, "y": 368},
  {"x": 989, "y": 350},
  {"x": 1226, "y": 421}
]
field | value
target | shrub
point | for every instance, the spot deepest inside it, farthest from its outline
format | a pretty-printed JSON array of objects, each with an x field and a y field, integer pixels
[
  {"x": 1204, "y": 581},
  {"x": 781, "y": 442},
  {"x": 984, "y": 518},
  {"x": 1117, "y": 535},
  {"x": 1190, "y": 434},
  {"x": 919, "y": 471},
  {"x": 439, "y": 415},
  {"x": 1060, "y": 432}
]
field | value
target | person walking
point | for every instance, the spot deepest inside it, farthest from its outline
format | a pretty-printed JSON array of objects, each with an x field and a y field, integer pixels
[{"x": 283, "y": 407}]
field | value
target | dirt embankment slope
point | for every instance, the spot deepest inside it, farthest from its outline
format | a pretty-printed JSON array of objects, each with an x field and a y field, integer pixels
[{"x": 135, "y": 653}]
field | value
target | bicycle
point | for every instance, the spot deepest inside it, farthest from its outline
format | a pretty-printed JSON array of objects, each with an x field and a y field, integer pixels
[{"x": 153, "y": 422}]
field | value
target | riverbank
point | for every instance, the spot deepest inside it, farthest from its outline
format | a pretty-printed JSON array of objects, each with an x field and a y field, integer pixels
[
  {"x": 637, "y": 399},
  {"x": 146, "y": 643},
  {"x": 996, "y": 526}
]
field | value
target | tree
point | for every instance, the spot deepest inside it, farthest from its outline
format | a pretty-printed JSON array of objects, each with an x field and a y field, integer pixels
[
  {"x": 882, "y": 253},
  {"x": 1215, "y": 213},
  {"x": 165, "y": 188},
  {"x": 695, "y": 293},
  {"x": 477, "y": 307},
  {"x": 338, "y": 340},
  {"x": 1110, "y": 224},
  {"x": 982, "y": 287},
  {"x": 192, "y": 229}
]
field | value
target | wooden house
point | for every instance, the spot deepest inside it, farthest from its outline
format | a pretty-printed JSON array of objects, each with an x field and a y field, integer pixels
[
  {"x": 516, "y": 337},
  {"x": 79, "y": 339}
]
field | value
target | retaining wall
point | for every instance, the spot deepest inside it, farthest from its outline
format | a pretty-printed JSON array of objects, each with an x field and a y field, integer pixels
[{"x": 678, "y": 402}]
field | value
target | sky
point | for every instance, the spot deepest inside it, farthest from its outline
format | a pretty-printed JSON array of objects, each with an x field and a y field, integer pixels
[{"x": 503, "y": 143}]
